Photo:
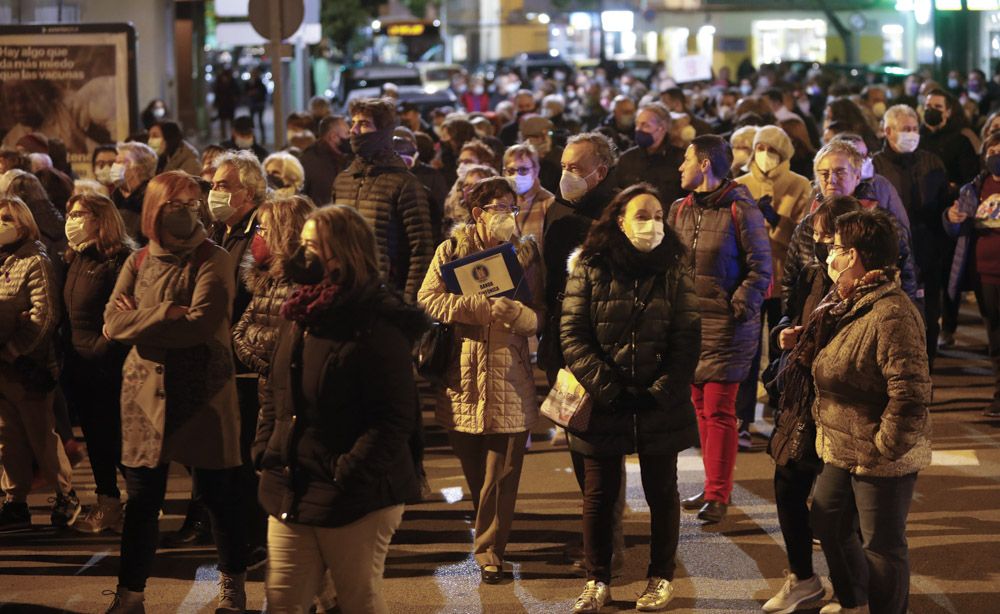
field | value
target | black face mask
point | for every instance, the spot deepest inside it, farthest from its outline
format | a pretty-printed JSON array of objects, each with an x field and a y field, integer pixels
[
  {"x": 371, "y": 144},
  {"x": 933, "y": 117},
  {"x": 305, "y": 268},
  {"x": 181, "y": 223},
  {"x": 644, "y": 139},
  {"x": 276, "y": 182},
  {"x": 822, "y": 251},
  {"x": 344, "y": 146},
  {"x": 993, "y": 165}
]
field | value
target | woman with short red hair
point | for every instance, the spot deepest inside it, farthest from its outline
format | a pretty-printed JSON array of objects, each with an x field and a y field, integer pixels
[{"x": 172, "y": 303}]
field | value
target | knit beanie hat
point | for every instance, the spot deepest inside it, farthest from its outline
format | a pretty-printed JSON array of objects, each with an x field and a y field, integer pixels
[{"x": 775, "y": 138}]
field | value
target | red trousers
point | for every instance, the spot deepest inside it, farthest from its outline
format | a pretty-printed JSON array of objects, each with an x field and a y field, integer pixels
[{"x": 715, "y": 406}]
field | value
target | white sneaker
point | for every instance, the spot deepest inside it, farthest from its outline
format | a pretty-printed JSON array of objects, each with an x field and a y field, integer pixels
[
  {"x": 835, "y": 608},
  {"x": 794, "y": 593},
  {"x": 106, "y": 514},
  {"x": 595, "y": 596},
  {"x": 657, "y": 595}
]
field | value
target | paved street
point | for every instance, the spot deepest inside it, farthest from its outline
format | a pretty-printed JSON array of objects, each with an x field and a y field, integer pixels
[{"x": 954, "y": 531}]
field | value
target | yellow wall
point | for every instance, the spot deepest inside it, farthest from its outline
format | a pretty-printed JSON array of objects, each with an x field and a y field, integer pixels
[
  {"x": 516, "y": 39},
  {"x": 869, "y": 49}
]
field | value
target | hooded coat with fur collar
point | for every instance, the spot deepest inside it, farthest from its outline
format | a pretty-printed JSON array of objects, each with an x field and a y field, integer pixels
[{"x": 490, "y": 385}]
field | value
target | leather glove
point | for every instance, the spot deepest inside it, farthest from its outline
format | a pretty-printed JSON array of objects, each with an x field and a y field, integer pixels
[
  {"x": 772, "y": 217},
  {"x": 634, "y": 399}
]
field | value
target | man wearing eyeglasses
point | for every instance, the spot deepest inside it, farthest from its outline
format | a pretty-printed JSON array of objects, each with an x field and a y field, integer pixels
[{"x": 521, "y": 168}]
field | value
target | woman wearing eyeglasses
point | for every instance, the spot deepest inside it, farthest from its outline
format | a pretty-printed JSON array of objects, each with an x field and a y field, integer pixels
[
  {"x": 172, "y": 303},
  {"x": 92, "y": 364},
  {"x": 872, "y": 388},
  {"x": 488, "y": 403}
]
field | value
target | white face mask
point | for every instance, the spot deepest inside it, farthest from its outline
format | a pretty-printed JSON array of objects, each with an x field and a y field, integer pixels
[
  {"x": 767, "y": 161},
  {"x": 522, "y": 183},
  {"x": 116, "y": 173},
  {"x": 501, "y": 226},
  {"x": 688, "y": 133},
  {"x": 645, "y": 235},
  {"x": 832, "y": 272},
  {"x": 159, "y": 112},
  {"x": 218, "y": 205},
  {"x": 8, "y": 233},
  {"x": 103, "y": 175},
  {"x": 76, "y": 232},
  {"x": 244, "y": 142},
  {"x": 156, "y": 143},
  {"x": 878, "y": 109},
  {"x": 725, "y": 112},
  {"x": 867, "y": 169},
  {"x": 907, "y": 142},
  {"x": 572, "y": 186}
]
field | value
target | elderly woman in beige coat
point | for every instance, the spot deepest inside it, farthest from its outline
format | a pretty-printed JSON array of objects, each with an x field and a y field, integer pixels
[
  {"x": 172, "y": 303},
  {"x": 783, "y": 197},
  {"x": 488, "y": 403}
]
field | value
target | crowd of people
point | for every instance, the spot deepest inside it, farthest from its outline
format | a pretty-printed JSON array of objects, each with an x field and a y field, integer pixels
[{"x": 252, "y": 316}]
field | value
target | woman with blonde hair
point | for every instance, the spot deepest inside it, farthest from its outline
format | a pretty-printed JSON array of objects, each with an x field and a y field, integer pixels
[
  {"x": 29, "y": 314},
  {"x": 172, "y": 303},
  {"x": 264, "y": 271},
  {"x": 285, "y": 174},
  {"x": 92, "y": 364},
  {"x": 336, "y": 413}
]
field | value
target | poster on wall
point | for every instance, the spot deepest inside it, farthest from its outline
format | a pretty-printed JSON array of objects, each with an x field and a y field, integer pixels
[{"x": 73, "y": 83}]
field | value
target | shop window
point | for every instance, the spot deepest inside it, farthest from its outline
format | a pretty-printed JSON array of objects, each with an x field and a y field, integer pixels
[{"x": 777, "y": 40}]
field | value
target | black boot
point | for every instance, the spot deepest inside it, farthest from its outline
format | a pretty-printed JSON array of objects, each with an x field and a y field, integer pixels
[{"x": 196, "y": 530}]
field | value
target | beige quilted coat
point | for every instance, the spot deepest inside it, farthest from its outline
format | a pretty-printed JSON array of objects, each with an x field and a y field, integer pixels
[{"x": 490, "y": 387}]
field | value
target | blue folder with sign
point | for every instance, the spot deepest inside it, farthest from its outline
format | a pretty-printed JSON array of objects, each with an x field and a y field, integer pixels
[{"x": 493, "y": 272}]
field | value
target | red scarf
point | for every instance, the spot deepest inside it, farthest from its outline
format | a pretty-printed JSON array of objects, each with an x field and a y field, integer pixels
[{"x": 308, "y": 304}]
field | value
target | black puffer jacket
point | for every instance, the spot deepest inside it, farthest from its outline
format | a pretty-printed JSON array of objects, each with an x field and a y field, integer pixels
[
  {"x": 659, "y": 168},
  {"x": 90, "y": 279},
  {"x": 394, "y": 203},
  {"x": 256, "y": 333},
  {"x": 921, "y": 180},
  {"x": 658, "y": 352},
  {"x": 337, "y": 412},
  {"x": 955, "y": 150},
  {"x": 730, "y": 254}
]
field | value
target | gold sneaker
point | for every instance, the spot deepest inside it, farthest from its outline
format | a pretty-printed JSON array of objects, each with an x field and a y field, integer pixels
[
  {"x": 595, "y": 596},
  {"x": 657, "y": 595}
]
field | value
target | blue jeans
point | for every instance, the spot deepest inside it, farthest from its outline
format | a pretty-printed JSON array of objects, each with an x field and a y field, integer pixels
[{"x": 875, "y": 567}]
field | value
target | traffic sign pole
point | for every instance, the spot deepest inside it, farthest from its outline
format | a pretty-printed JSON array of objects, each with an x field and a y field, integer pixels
[{"x": 277, "y": 70}]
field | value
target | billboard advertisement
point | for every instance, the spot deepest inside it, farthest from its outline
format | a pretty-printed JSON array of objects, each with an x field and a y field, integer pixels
[{"x": 72, "y": 82}]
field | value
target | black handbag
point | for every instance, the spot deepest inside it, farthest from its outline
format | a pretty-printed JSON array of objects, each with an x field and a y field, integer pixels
[{"x": 434, "y": 351}]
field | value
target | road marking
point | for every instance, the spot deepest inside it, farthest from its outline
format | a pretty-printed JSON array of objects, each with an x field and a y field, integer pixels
[
  {"x": 453, "y": 494},
  {"x": 954, "y": 458},
  {"x": 94, "y": 560},
  {"x": 203, "y": 589}
]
